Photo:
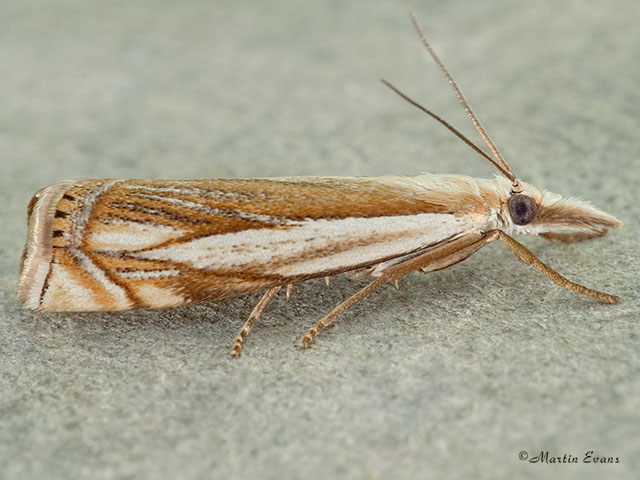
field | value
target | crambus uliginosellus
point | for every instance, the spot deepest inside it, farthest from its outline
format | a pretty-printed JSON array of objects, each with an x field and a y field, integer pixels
[{"x": 125, "y": 244}]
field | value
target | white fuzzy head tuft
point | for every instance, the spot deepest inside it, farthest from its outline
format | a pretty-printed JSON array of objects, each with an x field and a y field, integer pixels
[{"x": 555, "y": 214}]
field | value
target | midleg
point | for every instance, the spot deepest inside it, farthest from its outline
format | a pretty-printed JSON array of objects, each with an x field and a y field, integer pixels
[{"x": 437, "y": 259}]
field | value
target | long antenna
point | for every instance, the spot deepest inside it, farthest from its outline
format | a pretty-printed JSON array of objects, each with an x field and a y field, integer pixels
[
  {"x": 451, "y": 128},
  {"x": 505, "y": 170}
]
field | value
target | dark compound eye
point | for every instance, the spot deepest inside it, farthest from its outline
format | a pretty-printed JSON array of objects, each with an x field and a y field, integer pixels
[{"x": 522, "y": 209}]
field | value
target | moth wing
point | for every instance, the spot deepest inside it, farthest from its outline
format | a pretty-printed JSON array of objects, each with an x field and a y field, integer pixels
[{"x": 150, "y": 244}]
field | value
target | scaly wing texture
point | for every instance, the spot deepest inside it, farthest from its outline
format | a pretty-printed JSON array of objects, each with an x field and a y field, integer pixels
[{"x": 122, "y": 244}]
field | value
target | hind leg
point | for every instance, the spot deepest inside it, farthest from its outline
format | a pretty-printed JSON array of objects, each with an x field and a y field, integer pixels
[{"x": 255, "y": 314}]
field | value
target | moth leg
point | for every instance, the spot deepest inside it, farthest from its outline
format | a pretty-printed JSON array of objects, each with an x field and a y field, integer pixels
[
  {"x": 255, "y": 314},
  {"x": 524, "y": 254},
  {"x": 573, "y": 237},
  {"x": 437, "y": 259},
  {"x": 325, "y": 321}
]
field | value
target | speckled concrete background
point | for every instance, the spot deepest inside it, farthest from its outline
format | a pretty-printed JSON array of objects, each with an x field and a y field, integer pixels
[{"x": 453, "y": 375}]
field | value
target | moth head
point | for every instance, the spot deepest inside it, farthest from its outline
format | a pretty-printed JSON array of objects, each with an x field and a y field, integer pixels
[{"x": 530, "y": 210}]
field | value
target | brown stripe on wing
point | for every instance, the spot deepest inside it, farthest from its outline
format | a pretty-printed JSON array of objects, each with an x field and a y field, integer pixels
[
  {"x": 312, "y": 197},
  {"x": 192, "y": 284},
  {"x": 136, "y": 302},
  {"x": 200, "y": 220},
  {"x": 120, "y": 261},
  {"x": 64, "y": 259}
]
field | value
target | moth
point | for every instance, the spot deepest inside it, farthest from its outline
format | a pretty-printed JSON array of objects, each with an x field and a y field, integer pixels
[{"x": 104, "y": 244}]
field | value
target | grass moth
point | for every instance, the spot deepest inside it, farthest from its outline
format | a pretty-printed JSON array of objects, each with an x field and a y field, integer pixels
[{"x": 104, "y": 244}]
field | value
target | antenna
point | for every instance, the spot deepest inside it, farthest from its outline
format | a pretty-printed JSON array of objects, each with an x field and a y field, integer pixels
[
  {"x": 451, "y": 128},
  {"x": 498, "y": 160}
]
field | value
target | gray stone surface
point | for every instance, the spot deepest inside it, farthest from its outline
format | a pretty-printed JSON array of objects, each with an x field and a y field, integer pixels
[{"x": 449, "y": 377}]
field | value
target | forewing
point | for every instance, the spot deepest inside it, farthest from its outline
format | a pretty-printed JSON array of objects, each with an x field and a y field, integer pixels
[{"x": 150, "y": 244}]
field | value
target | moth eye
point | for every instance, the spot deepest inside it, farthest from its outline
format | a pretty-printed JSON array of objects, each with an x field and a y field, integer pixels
[{"x": 522, "y": 209}]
